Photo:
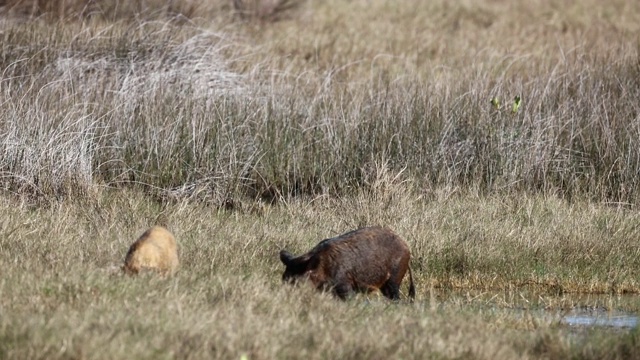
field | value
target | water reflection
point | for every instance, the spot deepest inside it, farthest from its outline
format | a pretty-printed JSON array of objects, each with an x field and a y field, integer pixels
[
  {"x": 575, "y": 310},
  {"x": 601, "y": 318}
]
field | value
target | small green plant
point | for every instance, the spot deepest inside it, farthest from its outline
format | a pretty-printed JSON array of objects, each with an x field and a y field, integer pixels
[
  {"x": 516, "y": 104},
  {"x": 495, "y": 101}
]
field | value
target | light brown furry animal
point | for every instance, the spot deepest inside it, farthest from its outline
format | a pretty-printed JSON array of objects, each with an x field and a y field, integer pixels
[{"x": 155, "y": 249}]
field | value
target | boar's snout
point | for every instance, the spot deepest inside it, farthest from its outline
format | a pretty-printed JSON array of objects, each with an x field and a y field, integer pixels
[
  {"x": 295, "y": 267},
  {"x": 286, "y": 258}
]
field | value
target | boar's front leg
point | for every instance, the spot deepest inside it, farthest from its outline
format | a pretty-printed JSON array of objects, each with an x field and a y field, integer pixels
[{"x": 343, "y": 290}]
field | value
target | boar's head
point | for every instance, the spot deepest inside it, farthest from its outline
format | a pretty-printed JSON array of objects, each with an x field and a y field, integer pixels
[{"x": 295, "y": 267}]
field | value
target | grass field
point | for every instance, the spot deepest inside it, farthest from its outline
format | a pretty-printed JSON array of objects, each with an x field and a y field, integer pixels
[{"x": 252, "y": 127}]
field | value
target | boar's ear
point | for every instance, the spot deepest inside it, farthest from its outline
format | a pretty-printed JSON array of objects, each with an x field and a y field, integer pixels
[{"x": 285, "y": 257}]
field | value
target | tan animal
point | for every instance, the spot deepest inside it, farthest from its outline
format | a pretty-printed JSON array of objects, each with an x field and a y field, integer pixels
[{"x": 155, "y": 249}]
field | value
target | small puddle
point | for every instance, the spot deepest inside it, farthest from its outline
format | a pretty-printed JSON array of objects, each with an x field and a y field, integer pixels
[{"x": 610, "y": 311}]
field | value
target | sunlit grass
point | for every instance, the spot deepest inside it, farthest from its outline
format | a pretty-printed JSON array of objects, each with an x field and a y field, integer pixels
[
  {"x": 61, "y": 294},
  {"x": 247, "y": 131}
]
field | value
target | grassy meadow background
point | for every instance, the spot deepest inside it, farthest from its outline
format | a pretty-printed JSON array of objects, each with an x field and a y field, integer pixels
[{"x": 249, "y": 126}]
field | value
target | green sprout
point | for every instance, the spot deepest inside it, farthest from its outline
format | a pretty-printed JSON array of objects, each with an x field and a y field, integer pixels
[
  {"x": 516, "y": 104},
  {"x": 495, "y": 102}
]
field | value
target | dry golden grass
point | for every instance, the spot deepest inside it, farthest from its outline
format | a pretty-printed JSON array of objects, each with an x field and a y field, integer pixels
[{"x": 61, "y": 297}]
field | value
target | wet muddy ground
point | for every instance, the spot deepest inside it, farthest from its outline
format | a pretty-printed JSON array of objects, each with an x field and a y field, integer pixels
[{"x": 573, "y": 310}]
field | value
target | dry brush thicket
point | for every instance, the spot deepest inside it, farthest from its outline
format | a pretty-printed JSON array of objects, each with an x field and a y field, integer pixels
[{"x": 294, "y": 107}]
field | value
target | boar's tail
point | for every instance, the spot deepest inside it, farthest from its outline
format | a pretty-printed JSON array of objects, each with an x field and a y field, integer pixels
[{"x": 412, "y": 288}]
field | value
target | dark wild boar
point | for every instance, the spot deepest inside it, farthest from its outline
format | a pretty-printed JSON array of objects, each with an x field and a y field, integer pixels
[{"x": 362, "y": 260}]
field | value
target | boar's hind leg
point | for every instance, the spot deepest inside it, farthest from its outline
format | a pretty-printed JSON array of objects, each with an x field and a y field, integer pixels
[{"x": 391, "y": 289}]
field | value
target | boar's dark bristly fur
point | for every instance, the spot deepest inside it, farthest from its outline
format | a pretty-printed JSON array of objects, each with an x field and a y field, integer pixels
[{"x": 362, "y": 260}]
